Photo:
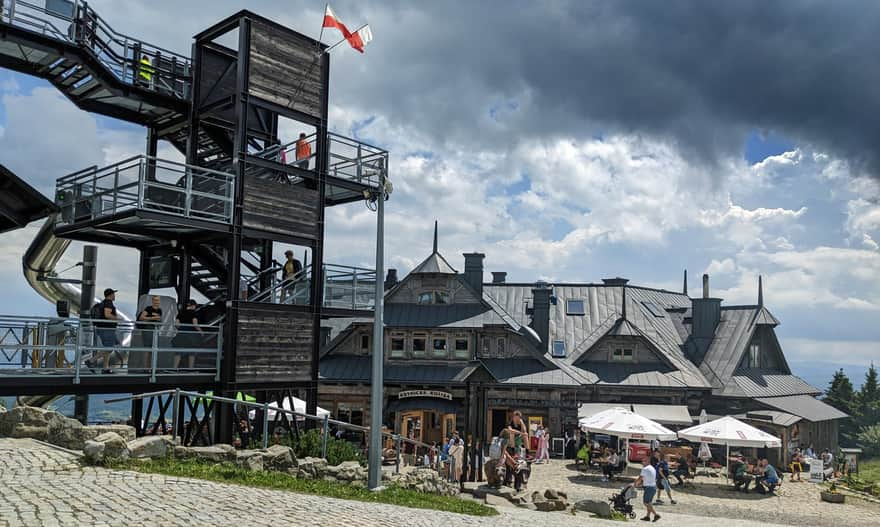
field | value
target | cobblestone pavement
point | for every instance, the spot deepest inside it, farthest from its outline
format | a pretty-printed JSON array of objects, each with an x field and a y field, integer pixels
[
  {"x": 797, "y": 503},
  {"x": 41, "y": 486}
]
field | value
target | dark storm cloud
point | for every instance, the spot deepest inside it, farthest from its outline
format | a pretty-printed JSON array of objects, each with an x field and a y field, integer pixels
[{"x": 699, "y": 73}]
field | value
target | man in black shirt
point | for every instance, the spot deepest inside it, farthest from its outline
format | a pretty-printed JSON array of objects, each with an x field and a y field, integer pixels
[
  {"x": 106, "y": 328},
  {"x": 190, "y": 334},
  {"x": 151, "y": 314}
]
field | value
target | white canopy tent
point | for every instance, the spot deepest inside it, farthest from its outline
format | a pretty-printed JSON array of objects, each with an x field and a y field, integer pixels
[
  {"x": 624, "y": 423},
  {"x": 730, "y": 431},
  {"x": 293, "y": 404}
]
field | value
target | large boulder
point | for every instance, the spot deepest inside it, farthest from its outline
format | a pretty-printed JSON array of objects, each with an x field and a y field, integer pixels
[
  {"x": 350, "y": 471},
  {"x": 252, "y": 460},
  {"x": 428, "y": 481},
  {"x": 148, "y": 447},
  {"x": 597, "y": 507},
  {"x": 93, "y": 451},
  {"x": 70, "y": 433},
  {"x": 115, "y": 447},
  {"x": 27, "y": 421},
  {"x": 279, "y": 457},
  {"x": 218, "y": 452},
  {"x": 311, "y": 468}
]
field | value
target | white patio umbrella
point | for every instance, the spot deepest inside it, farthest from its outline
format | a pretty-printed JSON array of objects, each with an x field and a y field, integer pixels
[
  {"x": 294, "y": 404},
  {"x": 730, "y": 431},
  {"x": 622, "y": 422}
]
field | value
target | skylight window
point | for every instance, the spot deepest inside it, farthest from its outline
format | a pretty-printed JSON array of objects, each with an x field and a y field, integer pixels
[
  {"x": 656, "y": 311},
  {"x": 559, "y": 348},
  {"x": 574, "y": 307}
]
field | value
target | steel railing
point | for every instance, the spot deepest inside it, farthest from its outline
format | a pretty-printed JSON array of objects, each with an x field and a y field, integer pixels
[
  {"x": 347, "y": 158},
  {"x": 130, "y": 60},
  {"x": 75, "y": 348},
  {"x": 264, "y": 409},
  {"x": 147, "y": 183},
  {"x": 344, "y": 287}
]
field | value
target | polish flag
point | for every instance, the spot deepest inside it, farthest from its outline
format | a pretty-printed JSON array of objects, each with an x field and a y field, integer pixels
[{"x": 358, "y": 39}]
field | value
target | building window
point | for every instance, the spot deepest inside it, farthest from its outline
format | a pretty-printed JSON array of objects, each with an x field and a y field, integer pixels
[
  {"x": 755, "y": 356},
  {"x": 350, "y": 413},
  {"x": 574, "y": 307},
  {"x": 656, "y": 311},
  {"x": 398, "y": 345},
  {"x": 622, "y": 355},
  {"x": 559, "y": 348},
  {"x": 420, "y": 344},
  {"x": 365, "y": 342},
  {"x": 500, "y": 346},
  {"x": 462, "y": 347},
  {"x": 487, "y": 346},
  {"x": 439, "y": 349},
  {"x": 433, "y": 297}
]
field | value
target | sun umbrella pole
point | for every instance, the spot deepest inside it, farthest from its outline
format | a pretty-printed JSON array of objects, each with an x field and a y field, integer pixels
[{"x": 727, "y": 465}]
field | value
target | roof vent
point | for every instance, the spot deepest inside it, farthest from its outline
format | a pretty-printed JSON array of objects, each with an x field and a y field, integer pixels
[
  {"x": 615, "y": 281},
  {"x": 499, "y": 277}
]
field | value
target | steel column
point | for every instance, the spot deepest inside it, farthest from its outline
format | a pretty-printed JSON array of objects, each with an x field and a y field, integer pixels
[{"x": 377, "y": 382}]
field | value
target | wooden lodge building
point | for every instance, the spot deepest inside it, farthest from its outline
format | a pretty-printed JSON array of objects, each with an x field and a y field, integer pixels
[{"x": 464, "y": 354}]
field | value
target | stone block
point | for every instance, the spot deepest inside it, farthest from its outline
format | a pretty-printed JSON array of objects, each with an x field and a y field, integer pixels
[
  {"x": 278, "y": 457},
  {"x": 115, "y": 447},
  {"x": 207, "y": 453},
  {"x": 599, "y": 508},
  {"x": 250, "y": 460},
  {"x": 148, "y": 447}
]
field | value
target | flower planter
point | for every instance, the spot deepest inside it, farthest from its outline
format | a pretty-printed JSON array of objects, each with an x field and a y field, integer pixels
[{"x": 832, "y": 497}]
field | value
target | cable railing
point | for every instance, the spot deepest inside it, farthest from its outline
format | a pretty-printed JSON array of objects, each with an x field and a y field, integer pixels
[
  {"x": 263, "y": 410},
  {"x": 79, "y": 348},
  {"x": 345, "y": 287},
  {"x": 146, "y": 183},
  {"x": 130, "y": 60}
]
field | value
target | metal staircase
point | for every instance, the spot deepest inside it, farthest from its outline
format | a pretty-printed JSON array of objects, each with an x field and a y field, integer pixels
[{"x": 100, "y": 70}]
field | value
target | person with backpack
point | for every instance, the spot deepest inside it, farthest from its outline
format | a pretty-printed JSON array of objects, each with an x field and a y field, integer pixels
[{"x": 104, "y": 316}]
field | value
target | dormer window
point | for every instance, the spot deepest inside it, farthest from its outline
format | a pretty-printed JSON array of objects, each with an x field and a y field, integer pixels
[
  {"x": 755, "y": 356},
  {"x": 574, "y": 307},
  {"x": 622, "y": 355},
  {"x": 433, "y": 297}
]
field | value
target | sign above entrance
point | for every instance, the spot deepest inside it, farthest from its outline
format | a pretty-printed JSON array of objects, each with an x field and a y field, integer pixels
[{"x": 424, "y": 393}]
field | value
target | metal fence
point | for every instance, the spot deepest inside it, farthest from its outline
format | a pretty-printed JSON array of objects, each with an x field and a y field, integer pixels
[
  {"x": 76, "y": 348},
  {"x": 146, "y": 183},
  {"x": 130, "y": 60},
  {"x": 345, "y": 287},
  {"x": 264, "y": 408}
]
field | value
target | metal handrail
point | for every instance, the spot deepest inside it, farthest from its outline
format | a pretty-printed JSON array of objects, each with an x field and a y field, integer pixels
[
  {"x": 62, "y": 346},
  {"x": 265, "y": 407},
  {"x": 150, "y": 183},
  {"x": 120, "y": 54},
  {"x": 357, "y": 282}
]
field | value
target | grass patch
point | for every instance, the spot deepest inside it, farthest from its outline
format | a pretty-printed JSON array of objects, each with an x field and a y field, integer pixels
[
  {"x": 228, "y": 473},
  {"x": 869, "y": 470}
]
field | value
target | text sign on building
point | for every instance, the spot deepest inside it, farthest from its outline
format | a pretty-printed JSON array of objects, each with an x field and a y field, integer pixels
[{"x": 424, "y": 393}]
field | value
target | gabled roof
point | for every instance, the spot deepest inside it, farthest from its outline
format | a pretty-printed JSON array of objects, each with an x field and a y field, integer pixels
[
  {"x": 805, "y": 406},
  {"x": 434, "y": 264},
  {"x": 762, "y": 383},
  {"x": 763, "y": 316},
  {"x": 602, "y": 314},
  {"x": 527, "y": 371}
]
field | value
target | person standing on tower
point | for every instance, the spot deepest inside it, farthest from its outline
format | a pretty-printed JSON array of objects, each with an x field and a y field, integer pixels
[{"x": 303, "y": 152}]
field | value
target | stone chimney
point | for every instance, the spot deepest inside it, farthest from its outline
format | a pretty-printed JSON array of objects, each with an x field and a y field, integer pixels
[
  {"x": 541, "y": 294},
  {"x": 615, "y": 281},
  {"x": 473, "y": 271},
  {"x": 499, "y": 277},
  {"x": 391, "y": 279},
  {"x": 706, "y": 314}
]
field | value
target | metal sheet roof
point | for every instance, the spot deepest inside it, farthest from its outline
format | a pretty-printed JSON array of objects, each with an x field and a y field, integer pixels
[
  {"x": 357, "y": 368},
  {"x": 664, "y": 414},
  {"x": 760, "y": 383},
  {"x": 805, "y": 406},
  {"x": 774, "y": 416},
  {"x": 441, "y": 316},
  {"x": 434, "y": 264},
  {"x": 20, "y": 203},
  {"x": 527, "y": 371}
]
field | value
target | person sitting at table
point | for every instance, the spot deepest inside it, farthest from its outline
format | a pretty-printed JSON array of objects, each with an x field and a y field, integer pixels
[
  {"x": 741, "y": 477},
  {"x": 682, "y": 470},
  {"x": 609, "y": 466},
  {"x": 769, "y": 479}
]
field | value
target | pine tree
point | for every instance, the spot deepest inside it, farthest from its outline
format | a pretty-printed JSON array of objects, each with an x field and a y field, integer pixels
[
  {"x": 868, "y": 400},
  {"x": 840, "y": 394}
]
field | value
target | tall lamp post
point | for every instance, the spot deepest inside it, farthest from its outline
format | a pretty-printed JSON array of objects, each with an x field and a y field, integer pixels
[{"x": 377, "y": 381}]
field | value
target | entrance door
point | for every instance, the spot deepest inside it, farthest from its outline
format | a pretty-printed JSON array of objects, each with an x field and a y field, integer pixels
[
  {"x": 499, "y": 421},
  {"x": 448, "y": 425},
  {"x": 412, "y": 422}
]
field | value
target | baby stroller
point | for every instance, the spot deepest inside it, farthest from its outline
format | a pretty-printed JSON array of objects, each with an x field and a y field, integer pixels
[{"x": 620, "y": 501}]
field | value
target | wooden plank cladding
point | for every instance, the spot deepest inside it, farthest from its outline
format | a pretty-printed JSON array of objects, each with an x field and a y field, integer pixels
[
  {"x": 280, "y": 208},
  {"x": 274, "y": 344},
  {"x": 285, "y": 69}
]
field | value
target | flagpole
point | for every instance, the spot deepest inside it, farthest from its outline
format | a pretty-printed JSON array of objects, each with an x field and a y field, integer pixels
[
  {"x": 345, "y": 39},
  {"x": 321, "y": 34}
]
